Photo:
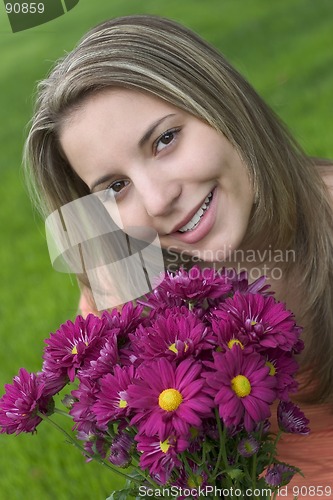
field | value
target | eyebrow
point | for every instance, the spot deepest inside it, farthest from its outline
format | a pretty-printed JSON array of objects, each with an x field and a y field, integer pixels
[
  {"x": 147, "y": 135},
  {"x": 144, "y": 139}
]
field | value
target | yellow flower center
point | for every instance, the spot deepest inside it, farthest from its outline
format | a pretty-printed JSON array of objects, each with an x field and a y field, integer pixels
[
  {"x": 122, "y": 403},
  {"x": 170, "y": 399},
  {"x": 173, "y": 348},
  {"x": 272, "y": 369},
  {"x": 253, "y": 323},
  {"x": 165, "y": 445},
  {"x": 74, "y": 350},
  {"x": 233, "y": 342},
  {"x": 241, "y": 386}
]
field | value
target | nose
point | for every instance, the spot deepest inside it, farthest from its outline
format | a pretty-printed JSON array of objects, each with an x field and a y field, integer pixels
[{"x": 158, "y": 195}]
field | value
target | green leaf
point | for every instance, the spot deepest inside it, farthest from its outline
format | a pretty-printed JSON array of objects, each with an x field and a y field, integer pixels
[
  {"x": 235, "y": 473},
  {"x": 122, "y": 494}
]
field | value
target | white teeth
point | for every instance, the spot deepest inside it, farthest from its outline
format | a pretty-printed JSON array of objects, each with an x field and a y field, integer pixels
[{"x": 197, "y": 216}]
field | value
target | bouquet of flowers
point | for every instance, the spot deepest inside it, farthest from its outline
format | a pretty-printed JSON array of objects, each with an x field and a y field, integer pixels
[{"x": 175, "y": 393}]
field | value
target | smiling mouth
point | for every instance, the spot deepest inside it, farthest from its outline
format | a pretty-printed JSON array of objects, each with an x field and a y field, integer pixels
[{"x": 195, "y": 221}]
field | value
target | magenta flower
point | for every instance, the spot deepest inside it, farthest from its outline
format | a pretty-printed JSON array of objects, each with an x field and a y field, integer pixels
[
  {"x": 74, "y": 345},
  {"x": 196, "y": 481},
  {"x": 124, "y": 321},
  {"x": 54, "y": 381},
  {"x": 176, "y": 334},
  {"x": 119, "y": 453},
  {"x": 161, "y": 300},
  {"x": 81, "y": 411},
  {"x": 160, "y": 455},
  {"x": 165, "y": 393},
  {"x": 279, "y": 475},
  {"x": 20, "y": 405},
  {"x": 227, "y": 335},
  {"x": 266, "y": 323},
  {"x": 106, "y": 361},
  {"x": 242, "y": 388},
  {"x": 291, "y": 419},
  {"x": 112, "y": 401},
  {"x": 248, "y": 446},
  {"x": 191, "y": 286},
  {"x": 93, "y": 444},
  {"x": 283, "y": 367},
  {"x": 241, "y": 283}
]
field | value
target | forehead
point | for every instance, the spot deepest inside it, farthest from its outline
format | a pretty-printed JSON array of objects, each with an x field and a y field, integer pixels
[{"x": 116, "y": 104}]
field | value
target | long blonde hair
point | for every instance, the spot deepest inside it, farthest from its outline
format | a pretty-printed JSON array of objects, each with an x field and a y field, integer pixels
[{"x": 160, "y": 57}]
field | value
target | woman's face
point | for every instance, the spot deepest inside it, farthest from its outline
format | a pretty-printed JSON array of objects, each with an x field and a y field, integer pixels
[{"x": 165, "y": 168}]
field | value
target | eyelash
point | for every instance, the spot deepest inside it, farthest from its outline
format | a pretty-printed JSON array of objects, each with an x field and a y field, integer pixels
[
  {"x": 109, "y": 188},
  {"x": 173, "y": 131}
]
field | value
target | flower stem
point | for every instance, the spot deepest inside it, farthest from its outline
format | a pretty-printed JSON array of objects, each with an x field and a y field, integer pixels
[
  {"x": 254, "y": 474},
  {"x": 79, "y": 447},
  {"x": 61, "y": 412},
  {"x": 222, "y": 455},
  {"x": 222, "y": 451},
  {"x": 277, "y": 439},
  {"x": 146, "y": 477}
]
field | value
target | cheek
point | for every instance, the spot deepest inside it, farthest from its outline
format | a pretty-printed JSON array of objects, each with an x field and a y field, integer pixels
[
  {"x": 235, "y": 177},
  {"x": 132, "y": 214},
  {"x": 202, "y": 164},
  {"x": 201, "y": 156}
]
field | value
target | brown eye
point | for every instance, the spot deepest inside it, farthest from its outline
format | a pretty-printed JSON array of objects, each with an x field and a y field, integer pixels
[
  {"x": 116, "y": 187},
  {"x": 165, "y": 140}
]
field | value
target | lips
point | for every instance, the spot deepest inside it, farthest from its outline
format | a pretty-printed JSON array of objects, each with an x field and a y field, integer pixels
[
  {"x": 190, "y": 216},
  {"x": 198, "y": 230},
  {"x": 197, "y": 216}
]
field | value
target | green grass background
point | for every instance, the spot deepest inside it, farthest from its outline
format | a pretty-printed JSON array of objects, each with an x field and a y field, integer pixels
[{"x": 285, "y": 49}]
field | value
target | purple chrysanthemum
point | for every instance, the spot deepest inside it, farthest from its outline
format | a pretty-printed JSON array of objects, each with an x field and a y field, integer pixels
[
  {"x": 179, "y": 333},
  {"x": 279, "y": 475},
  {"x": 160, "y": 300},
  {"x": 165, "y": 393},
  {"x": 241, "y": 283},
  {"x": 125, "y": 321},
  {"x": 112, "y": 401},
  {"x": 119, "y": 454},
  {"x": 54, "y": 381},
  {"x": 106, "y": 361},
  {"x": 74, "y": 345},
  {"x": 20, "y": 405},
  {"x": 196, "y": 481},
  {"x": 93, "y": 444},
  {"x": 248, "y": 446},
  {"x": 227, "y": 335},
  {"x": 194, "y": 285},
  {"x": 242, "y": 388},
  {"x": 160, "y": 455},
  {"x": 81, "y": 411},
  {"x": 266, "y": 322},
  {"x": 283, "y": 367},
  {"x": 291, "y": 419}
]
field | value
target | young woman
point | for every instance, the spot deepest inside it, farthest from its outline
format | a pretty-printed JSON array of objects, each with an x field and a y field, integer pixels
[{"x": 146, "y": 111}]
